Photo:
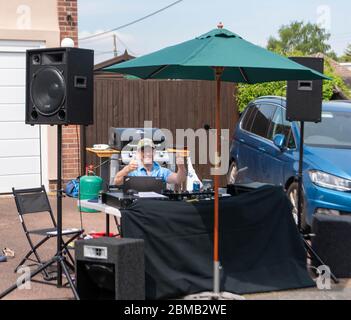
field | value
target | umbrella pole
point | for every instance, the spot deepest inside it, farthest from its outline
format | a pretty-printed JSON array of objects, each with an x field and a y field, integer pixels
[{"x": 216, "y": 262}]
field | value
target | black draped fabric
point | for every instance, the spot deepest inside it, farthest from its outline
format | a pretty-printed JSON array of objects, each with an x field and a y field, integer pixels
[{"x": 260, "y": 247}]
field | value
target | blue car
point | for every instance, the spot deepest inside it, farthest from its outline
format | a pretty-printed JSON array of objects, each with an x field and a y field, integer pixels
[{"x": 265, "y": 149}]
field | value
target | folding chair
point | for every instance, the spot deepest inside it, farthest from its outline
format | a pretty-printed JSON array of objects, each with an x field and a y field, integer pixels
[{"x": 31, "y": 201}]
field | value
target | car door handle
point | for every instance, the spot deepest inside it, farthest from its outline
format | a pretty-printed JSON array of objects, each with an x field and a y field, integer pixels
[
  {"x": 262, "y": 149},
  {"x": 242, "y": 140}
]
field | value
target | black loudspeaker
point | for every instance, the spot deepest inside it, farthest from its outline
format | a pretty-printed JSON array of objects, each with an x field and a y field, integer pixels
[
  {"x": 333, "y": 242},
  {"x": 59, "y": 86},
  {"x": 110, "y": 269},
  {"x": 304, "y": 98}
]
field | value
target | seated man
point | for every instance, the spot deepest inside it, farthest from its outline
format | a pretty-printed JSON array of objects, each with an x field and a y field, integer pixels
[{"x": 148, "y": 167}]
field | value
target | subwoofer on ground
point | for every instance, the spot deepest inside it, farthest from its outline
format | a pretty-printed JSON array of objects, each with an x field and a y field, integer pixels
[
  {"x": 333, "y": 242},
  {"x": 110, "y": 269},
  {"x": 59, "y": 86}
]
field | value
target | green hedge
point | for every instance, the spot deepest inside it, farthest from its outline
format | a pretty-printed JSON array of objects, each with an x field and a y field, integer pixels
[{"x": 247, "y": 93}]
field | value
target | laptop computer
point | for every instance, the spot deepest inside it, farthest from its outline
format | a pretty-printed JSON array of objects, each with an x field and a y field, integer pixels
[{"x": 144, "y": 184}]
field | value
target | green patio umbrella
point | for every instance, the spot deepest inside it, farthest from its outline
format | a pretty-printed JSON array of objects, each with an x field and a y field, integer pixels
[{"x": 218, "y": 55}]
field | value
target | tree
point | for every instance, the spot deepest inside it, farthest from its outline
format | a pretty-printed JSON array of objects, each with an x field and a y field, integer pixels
[
  {"x": 333, "y": 55},
  {"x": 347, "y": 56},
  {"x": 307, "y": 38}
]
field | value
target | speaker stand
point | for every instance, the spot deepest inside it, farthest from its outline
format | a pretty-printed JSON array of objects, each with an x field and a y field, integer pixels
[
  {"x": 305, "y": 237},
  {"x": 59, "y": 258}
]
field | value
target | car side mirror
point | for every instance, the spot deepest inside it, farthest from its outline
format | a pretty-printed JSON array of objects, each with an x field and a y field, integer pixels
[{"x": 279, "y": 141}]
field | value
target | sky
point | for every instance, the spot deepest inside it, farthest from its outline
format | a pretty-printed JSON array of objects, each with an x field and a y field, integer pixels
[{"x": 254, "y": 20}]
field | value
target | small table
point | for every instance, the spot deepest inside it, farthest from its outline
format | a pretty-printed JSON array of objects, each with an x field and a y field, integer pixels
[
  {"x": 104, "y": 157},
  {"x": 101, "y": 207},
  {"x": 108, "y": 210}
]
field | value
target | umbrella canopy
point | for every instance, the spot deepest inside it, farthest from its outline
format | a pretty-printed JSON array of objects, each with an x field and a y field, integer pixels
[
  {"x": 218, "y": 55},
  {"x": 243, "y": 61}
]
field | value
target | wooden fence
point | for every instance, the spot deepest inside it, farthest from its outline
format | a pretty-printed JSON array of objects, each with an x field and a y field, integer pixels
[{"x": 169, "y": 104}]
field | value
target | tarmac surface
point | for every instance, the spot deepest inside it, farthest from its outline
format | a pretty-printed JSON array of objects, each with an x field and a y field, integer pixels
[{"x": 12, "y": 236}]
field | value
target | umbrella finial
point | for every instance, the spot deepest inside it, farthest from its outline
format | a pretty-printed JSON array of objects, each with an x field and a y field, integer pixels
[{"x": 220, "y": 25}]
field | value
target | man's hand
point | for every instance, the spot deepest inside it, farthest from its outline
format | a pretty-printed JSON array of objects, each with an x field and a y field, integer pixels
[
  {"x": 180, "y": 159},
  {"x": 132, "y": 166},
  {"x": 180, "y": 176}
]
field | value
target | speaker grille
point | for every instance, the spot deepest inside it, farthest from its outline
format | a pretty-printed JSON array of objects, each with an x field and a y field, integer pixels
[{"x": 48, "y": 90}]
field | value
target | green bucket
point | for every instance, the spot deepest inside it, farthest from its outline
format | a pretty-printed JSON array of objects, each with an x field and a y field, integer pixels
[{"x": 89, "y": 189}]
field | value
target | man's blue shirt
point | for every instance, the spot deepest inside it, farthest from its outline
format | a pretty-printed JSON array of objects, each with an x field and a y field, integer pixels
[{"x": 157, "y": 171}]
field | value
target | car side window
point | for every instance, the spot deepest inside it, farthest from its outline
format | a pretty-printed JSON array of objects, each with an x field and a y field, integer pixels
[
  {"x": 281, "y": 126},
  {"x": 263, "y": 120},
  {"x": 288, "y": 129},
  {"x": 291, "y": 141},
  {"x": 248, "y": 117}
]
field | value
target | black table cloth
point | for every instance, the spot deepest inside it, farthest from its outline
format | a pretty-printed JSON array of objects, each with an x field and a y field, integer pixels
[{"x": 260, "y": 247}]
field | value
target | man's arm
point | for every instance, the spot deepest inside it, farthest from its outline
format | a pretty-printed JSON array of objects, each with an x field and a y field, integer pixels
[
  {"x": 180, "y": 176},
  {"x": 133, "y": 165}
]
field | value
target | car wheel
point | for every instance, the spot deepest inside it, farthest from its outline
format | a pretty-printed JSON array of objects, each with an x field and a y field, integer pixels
[
  {"x": 232, "y": 173},
  {"x": 292, "y": 194}
]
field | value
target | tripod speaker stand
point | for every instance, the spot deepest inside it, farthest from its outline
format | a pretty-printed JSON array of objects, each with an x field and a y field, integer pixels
[
  {"x": 59, "y": 91},
  {"x": 304, "y": 103},
  {"x": 59, "y": 258},
  {"x": 305, "y": 236}
]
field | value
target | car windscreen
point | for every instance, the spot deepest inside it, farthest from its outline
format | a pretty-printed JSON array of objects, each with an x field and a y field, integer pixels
[{"x": 333, "y": 131}]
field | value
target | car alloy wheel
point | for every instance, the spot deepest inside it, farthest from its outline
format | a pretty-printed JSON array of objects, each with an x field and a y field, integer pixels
[
  {"x": 232, "y": 173},
  {"x": 292, "y": 194},
  {"x": 294, "y": 201}
]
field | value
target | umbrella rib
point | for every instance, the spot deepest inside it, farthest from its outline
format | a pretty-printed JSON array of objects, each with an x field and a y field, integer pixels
[
  {"x": 156, "y": 71},
  {"x": 194, "y": 54},
  {"x": 244, "y": 75}
]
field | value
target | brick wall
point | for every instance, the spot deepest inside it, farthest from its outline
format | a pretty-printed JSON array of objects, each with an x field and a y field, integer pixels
[
  {"x": 68, "y": 19},
  {"x": 68, "y": 22}
]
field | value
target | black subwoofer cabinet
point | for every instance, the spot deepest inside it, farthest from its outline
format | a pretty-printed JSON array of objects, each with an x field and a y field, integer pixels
[
  {"x": 333, "y": 242},
  {"x": 110, "y": 269}
]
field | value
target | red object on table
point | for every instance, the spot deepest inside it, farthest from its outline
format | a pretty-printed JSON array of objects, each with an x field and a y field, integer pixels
[{"x": 97, "y": 235}]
